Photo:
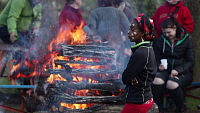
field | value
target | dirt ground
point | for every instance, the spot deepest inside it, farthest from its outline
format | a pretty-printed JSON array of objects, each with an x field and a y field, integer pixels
[{"x": 106, "y": 109}]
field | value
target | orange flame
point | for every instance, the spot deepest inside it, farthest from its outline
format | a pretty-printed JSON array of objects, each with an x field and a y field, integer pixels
[
  {"x": 75, "y": 37},
  {"x": 76, "y": 106},
  {"x": 53, "y": 78},
  {"x": 69, "y": 35}
]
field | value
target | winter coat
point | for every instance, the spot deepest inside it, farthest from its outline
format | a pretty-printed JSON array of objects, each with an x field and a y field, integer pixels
[
  {"x": 182, "y": 15},
  {"x": 142, "y": 65},
  {"x": 71, "y": 15},
  {"x": 105, "y": 22},
  {"x": 181, "y": 57},
  {"x": 20, "y": 14}
]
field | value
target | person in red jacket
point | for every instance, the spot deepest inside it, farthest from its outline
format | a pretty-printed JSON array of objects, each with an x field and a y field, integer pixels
[
  {"x": 72, "y": 15},
  {"x": 182, "y": 14}
]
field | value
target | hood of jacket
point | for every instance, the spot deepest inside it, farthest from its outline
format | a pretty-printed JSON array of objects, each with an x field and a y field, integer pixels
[{"x": 179, "y": 4}]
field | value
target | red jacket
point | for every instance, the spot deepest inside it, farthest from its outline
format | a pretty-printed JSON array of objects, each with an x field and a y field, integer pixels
[
  {"x": 182, "y": 15},
  {"x": 72, "y": 16}
]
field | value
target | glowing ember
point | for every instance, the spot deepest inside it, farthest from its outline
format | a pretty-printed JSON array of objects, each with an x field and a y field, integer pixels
[
  {"x": 76, "y": 106},
  {"x": 54, "y": 78}
]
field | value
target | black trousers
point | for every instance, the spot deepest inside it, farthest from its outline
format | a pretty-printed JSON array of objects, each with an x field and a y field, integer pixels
[
  {"x": 25, "y": 39},
  {"x": 183, "y": 80},
  {"x": 4, "y": 35}
]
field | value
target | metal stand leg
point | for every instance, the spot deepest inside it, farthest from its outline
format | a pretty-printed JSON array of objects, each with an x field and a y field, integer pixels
[{"x": 5, "y": 63}]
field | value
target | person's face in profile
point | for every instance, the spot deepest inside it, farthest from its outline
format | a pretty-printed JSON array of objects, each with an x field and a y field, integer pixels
[
  {"x": 170, "y": 33},
  {"x": 172, "y": 1},
  {"x": 134, "y": 33}
]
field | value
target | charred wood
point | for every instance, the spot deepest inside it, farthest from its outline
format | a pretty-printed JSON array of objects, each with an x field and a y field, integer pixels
[
  {"x": 32, "y": 105},
  {"x": 84, "y": 71},
  {"x": 88, "y": 48},
  {"x": 60, "y": 62},
  {"x": 87, "y": 54},
  {"x": 86, "y": 85},
  {"x": 66, "y": 98}
]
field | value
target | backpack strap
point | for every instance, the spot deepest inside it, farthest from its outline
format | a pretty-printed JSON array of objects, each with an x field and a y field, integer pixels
[{"x": 175, "y": 10}]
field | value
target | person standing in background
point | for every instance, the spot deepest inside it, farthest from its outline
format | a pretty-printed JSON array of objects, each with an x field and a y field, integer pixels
[
  {"x": 120, "y": 4},
  {"x": 17, "y": 17},
  {"x": 71, "y": 15},
  {"x": 180, "y": 12},
  {"x": 105, "y": 22}
]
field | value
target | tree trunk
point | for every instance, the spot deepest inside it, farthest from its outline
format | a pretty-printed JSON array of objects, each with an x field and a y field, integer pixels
[{"x": 193, "y": 6}]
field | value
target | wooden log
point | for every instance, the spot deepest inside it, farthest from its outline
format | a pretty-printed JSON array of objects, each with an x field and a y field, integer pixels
[
  {"x": 57, "y": 96},
  {"x": 60, "y": 62},
  {"x": 88, "y": 47},
  {"x": 86, "y": 85},
  {"x": 83, "y": 71}
]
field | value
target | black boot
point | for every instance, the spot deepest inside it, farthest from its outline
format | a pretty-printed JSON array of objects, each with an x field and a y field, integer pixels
[
  {"x": 158, "y": 96},
  {"x": 169, "y": 104},
  {"x": 178, "y": 98}
]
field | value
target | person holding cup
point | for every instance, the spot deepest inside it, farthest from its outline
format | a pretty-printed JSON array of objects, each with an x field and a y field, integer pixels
[{"x": 175, "y": 49}]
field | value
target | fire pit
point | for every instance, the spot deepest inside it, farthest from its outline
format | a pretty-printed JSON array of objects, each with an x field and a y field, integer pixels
[
  {"x": 74, "y": 75},
  {"x": 81, "y": 78}
]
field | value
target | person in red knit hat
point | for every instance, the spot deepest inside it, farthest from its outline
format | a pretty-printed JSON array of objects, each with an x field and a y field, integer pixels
[
  {"x": 141, "y": 69},
  {"x": 180, "y": 12}
]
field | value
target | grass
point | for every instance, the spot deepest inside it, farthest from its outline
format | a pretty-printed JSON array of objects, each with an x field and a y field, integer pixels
[{"x": 191, "y": 102}]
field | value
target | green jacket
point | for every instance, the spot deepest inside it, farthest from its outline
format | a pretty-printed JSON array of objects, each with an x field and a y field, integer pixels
[{"x": 19, "y": 15}]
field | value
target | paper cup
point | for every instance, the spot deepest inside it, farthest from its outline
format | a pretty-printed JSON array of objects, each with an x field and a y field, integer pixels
[{"x": 164, "y": 62}]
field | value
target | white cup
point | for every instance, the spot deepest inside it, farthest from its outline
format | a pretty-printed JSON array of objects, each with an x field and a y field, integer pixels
[{"x": 164, "y": 62}]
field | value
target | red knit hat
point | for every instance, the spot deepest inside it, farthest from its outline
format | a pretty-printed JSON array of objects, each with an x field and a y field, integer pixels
[{"x": 147, "y": 26}]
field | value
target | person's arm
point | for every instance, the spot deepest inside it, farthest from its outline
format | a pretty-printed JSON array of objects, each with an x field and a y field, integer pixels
[
  {"x": 14, "y": 14},
  {"x": 126, "y": 25},
  {"x": 190, "y": 58},
  {"x": 187, "y": 21},
  {"x": 134, "y": 67},
  {"x": 130, "y": 15},
  {"x": 87, "y": 30},
  {"x": 37, "y": 11},
  {"x": 92, "y": 23},
  {"x": 158, "y": 52}
]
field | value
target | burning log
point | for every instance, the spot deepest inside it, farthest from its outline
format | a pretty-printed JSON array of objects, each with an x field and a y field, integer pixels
[
  {"x": 100, "y": 75},
  {"x": 86, "y": 85},
  {"x": 84, "y": 71},
  {"x": 87, "y": 51},
  {"x": 60, "y": 62},
  {"x": 87, "y": 54},
  {"x": 57, "y": 96},
  {"x": 32, "y": 105},
  {"x": 88, "y": 48}
]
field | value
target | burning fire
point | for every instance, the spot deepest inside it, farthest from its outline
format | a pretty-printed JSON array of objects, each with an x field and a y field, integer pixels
[
  {"x": 76, "y": 106},
  {"x": 69, "y": 35}
]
